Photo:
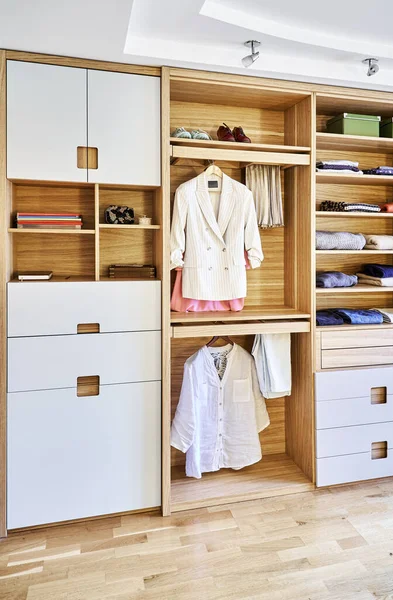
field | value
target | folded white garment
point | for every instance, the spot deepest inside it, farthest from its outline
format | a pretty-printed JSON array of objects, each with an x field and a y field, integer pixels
[
  {"x": 380, "y": 281},
  {"x": 387, "y": 314},
  {"x": 272, "y": 355},
  {"x": 379, "y": 242},
  {"x": 344, "y": 171}
]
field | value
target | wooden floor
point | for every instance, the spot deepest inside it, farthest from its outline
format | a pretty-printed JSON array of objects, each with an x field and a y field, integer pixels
[
  {"x": 275, "y": 475},
  {"x": 322, "y": 545}
]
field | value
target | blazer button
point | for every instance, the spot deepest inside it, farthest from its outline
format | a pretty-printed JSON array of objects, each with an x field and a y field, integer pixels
[
  {"x": 226, "y": 268},
  {"x": 224, "y": 249}
]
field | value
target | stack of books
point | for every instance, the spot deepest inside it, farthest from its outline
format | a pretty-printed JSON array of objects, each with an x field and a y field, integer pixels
[
  {"x": 132, "y": 271},
  {"x": 48, "y": 221}
]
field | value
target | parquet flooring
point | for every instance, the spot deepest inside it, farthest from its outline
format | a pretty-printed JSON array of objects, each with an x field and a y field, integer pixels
[{"x": 333, "y": 544}]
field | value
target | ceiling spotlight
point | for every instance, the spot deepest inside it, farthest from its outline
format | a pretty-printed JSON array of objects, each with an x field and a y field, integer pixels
[
  {"x": 373, "y": 67},
  {"x": 251, "y": 58}
]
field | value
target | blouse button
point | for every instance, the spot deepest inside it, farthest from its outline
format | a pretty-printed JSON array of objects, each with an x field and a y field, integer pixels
[
  {"x": 210, "y": 268},
  {"x": 209, "y": 248}
]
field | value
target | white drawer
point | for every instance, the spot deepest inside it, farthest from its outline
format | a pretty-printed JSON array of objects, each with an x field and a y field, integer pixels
[
  {"x": 39, "y": 363},
  {"x": 352, "y": 411},
  {"x": 352, "y": 440},
  {"x": 70, "y": 458},
  {"x": 352, "y": 384},
  {"x": 352, "y": 467},
  {"x": 51, "y": 308}
]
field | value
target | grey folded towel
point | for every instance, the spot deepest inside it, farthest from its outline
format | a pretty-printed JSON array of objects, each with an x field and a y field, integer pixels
[
  {"x": 333, "y": 279},
  {"x": 339, "y": 240}
]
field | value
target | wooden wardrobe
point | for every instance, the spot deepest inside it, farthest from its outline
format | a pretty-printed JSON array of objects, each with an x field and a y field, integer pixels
[{"x": 91, "y": 368}]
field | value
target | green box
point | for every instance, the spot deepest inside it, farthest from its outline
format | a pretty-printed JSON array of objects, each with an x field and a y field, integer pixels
[
  {"x": 386, "y": 128},
  {"x": 351, "y": 124}
]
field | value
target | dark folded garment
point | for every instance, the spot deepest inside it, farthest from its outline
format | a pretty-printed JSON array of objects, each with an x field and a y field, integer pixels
[
  {"x": 331, "y": 167},
  {"x": 328, "y": 317},
  {"x": 357, "y": 316},
  {"x": 362, "y": 207},
  {"x": 376, "y": 270},
  {"x": 379, "y": 171},
  {"x": 333, "y": 279}
]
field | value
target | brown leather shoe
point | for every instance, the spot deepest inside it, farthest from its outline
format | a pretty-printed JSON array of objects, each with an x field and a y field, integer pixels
[
  {"x": 224, "y": 134},
  {"x": 240, "y": 136}
]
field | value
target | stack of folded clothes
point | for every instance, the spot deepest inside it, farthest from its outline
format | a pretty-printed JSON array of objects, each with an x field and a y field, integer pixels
[
  {"x": 379, "y": 171},
  {"x": 339, "y": 240},
  {"x": 379, "y": 242},
  {"x": 387, "y": 314},
  {"x": 334, "y": 279},
  {"x": 378, "y": 275},
  {"x": 339, "y": 166},
  {"x": 349, "y": 316},
  {"x": 331, "y": 206}
]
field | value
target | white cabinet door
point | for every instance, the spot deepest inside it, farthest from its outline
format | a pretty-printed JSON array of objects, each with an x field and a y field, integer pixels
[
  {"x": 124, "y": 124},
  {"x": 70, "y": 457},
  {"x": 46, "y": 121}
]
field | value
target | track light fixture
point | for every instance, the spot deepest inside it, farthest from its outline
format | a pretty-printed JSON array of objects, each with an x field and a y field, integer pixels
[
  {"x": 251, "y": 58},
  {"x": 373, "y": 67}
]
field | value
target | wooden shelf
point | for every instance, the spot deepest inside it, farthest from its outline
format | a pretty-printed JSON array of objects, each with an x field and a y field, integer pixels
[
  {"x": 247, "y": 314},
  {"x": 238, "y": 145},
  {"x": 231, "y": 151},
  {"x": 355, "y": 289},
  {"x": 107, "y": 226},
  {"x": 359, "y": 252},
  {"x": 274, "y": 475},
  {"x": 364, "y": 327},
  {"x": 56, "y": 279},
  {"x": 361, "y": 215},
  {"x": 353, "y": 143},
  {"x": 51, "y": 231},
  {"x": 336, "y": 178},
  {"x": 192, "y": 331}
]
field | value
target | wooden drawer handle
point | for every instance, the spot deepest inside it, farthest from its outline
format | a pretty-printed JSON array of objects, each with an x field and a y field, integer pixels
[
  {"x": 378, "y": 395},
  {"x": 88, "y": 385},
  {"x": 379, "y": 450},
  {"x": 88, "y": 328},
  {"x": 87, "y": 157}
]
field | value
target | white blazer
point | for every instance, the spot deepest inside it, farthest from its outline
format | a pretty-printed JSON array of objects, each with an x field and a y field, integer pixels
[{"x": 213, "y": 262}]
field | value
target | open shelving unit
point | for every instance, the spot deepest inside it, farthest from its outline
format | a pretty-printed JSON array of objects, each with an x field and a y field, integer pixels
[
  {"x": 87, "y": 252},
  {"x": 369, "y": 152}
]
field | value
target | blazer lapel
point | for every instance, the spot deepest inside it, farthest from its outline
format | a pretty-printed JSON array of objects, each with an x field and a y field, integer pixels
[
  {"x": 227, "y": 204},
  {"x": 205, "y": 204}
]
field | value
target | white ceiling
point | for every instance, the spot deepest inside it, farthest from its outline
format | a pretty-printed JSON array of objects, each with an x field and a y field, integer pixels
[{"x": 301, "y": 39}]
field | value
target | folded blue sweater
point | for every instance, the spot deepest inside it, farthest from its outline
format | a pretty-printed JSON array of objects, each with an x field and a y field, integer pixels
[
  {"x": 358, "y": 316},
  {"x": 376, "y": 270},
  {"x": 333, "y": 279}
]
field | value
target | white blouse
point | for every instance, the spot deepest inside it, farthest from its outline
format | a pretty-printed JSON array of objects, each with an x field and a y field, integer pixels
[{"x": 217, "y": 420}]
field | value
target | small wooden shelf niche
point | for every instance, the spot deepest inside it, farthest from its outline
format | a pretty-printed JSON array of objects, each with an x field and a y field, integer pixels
[{"x": 279, "y": 298}]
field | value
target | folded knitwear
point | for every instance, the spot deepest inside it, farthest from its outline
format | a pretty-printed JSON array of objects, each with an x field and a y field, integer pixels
[
  {"x": 334, "y": 279},
  {"x": 343, "y": 166},
  {"x": 357, "y": 316},
  {"x": 339, "y": 240},
  {"x": 377, "y": 270},
  {"x": 328, "y": 317},
  {"x": 387, "y": 314},
  {"x": 379, "y": 242},
  {"x": 379, "y": 171},
  {"x": 362, "y": 207},
  {"x": 388, "y": 207},
  {"x": 378, "y": 281}
]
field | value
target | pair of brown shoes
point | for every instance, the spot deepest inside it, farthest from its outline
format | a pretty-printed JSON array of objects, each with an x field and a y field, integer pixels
[{"x": 224, "y": 134}]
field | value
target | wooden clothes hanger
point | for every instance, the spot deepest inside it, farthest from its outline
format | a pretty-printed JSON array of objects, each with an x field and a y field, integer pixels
[{"x": 218, "y": 337}]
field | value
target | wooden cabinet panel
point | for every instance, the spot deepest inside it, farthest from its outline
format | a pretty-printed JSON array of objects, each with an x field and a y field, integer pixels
[
  {"x": 352, "y": 411},
  {"x": 124, "y": 124},
  {"x": 46, "y": 121},
  {"x": 352, "y": 440},
  {"x": 54, "y": 308},
  {"x": 352, "y": 384},
  {"x": 352, "y": 467},
  {"x": 357, "y": 357},
  {"x": 52, "y": 362},
  {"x": 356, "y": 339},
  {"x": 71, "y": 457}
]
